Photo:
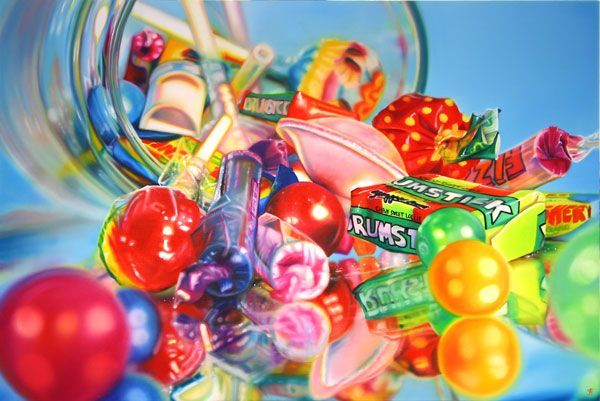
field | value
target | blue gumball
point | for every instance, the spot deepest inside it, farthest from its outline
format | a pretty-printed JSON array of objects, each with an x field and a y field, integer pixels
[
  {"x": 136, "y": 387},
  {"x": 144, "y": 323},
  {"x": 133, "y": 101}
]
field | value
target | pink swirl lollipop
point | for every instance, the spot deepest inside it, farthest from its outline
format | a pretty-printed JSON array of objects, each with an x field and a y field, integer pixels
[
  {"x": 301, "y": 331},
  {"x": 294, "y": 266}
]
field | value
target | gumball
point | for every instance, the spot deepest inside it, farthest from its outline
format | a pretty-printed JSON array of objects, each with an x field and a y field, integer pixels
[
  {"x": 573, "y": 284},
  {"x": 133, "y": 101},
  {"x": 176, "y": 356},
  {"x": 136, "y": 387},
  {"x": 469, "y": 278},
  {"x": 64, "y": 337},
  {"x": 313, "y": 210},
  {"x": 479, "y": 356},
  {"x": 418, "y": 354},
  {"x": 444, "y": 227},
  {"x": 144, "y": 323},
  {"x": 339, "y": 304},
  {"x": 146, "y": 240}
]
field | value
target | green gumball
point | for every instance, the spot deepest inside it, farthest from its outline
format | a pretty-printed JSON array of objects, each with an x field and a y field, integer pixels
[
  {"x": 574, "y": 284},
  {"x": 444, "y": 227}
]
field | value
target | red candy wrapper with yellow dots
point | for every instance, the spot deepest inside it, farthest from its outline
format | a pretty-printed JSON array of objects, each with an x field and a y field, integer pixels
[
  {"x": 433, "y": 136},
  {"x": 389, "y": 215}
]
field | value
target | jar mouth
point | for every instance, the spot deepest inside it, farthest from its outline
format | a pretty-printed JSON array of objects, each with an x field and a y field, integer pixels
[{"x": 62, "y": 51}]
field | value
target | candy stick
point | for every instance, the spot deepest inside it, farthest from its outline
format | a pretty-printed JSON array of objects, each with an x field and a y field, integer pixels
[
  {"x": 253, "y": 68},
  {"x": 219, "y": 89},
  {"x": 176, "y": 28},
  {"x": 288, "y": 261},
  {"x": 227, "y": 233},
  {"x": 236, "y": 21},
  {"x": 540, "y": 159}
]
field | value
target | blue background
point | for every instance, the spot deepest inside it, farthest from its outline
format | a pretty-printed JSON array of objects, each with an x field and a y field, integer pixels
[{"x": 537, "y": 61}]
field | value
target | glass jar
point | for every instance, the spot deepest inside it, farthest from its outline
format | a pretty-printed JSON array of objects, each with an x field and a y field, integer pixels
[{"x": 55, "y": 51}]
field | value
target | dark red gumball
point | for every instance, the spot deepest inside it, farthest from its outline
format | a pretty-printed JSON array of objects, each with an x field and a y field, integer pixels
[
  {"x": 176, "y": 356},
  {"x": 63, "y": 337},
  {"x": 313, "y": 210},
  {"x": 339, "y": 304},
  {"x": 418, "y": 355},
  {"x": 147, "y": 242}
]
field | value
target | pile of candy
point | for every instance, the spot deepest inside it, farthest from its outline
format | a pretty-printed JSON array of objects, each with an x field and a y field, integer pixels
[{"x": 291, "y": 250}]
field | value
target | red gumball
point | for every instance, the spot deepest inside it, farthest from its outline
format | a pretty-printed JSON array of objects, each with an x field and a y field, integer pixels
[
  {"x": 339, "y": 304},
  {"x": 313, "y": 210},
  {"x": 176, "y": 356},
  {"x": 147, "y": 242},
  {"x": 64, "y": 337},
  {"x": 418, "y": 355}
]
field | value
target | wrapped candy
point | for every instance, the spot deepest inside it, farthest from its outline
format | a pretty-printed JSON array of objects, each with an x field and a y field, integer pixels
[
  {"x": 540, "y": 159},
  {"x": 294, "y": 266},
  {"x": 226, "y": 236},
  {"x": 566, "y": 212},
  {"x": 274, "y": 107},
  {"x": 433, "y": 136},
  {"x": 395, "y": 301},
  {"x": 389, "y": 215}
]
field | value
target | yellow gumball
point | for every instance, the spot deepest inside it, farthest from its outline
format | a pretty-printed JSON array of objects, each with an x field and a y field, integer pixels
[
  {"x": 469, "y": 278},
  {"x": 479, "y": 356}
]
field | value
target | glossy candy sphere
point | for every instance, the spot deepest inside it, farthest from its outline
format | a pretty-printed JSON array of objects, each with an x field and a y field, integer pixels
[
  {"x": 313, "y": 210},
  {"x": 64, "y": 337},
  {"x": 479, "y": 356},
  {"x": 136, "y": 387},
  {"x": 339, "y": 304},
  {"x": 146, "y": 240},
  {"x": 573, "y": 282},
  {"x": 444, "y": 227},
  {"x": 469, "y": 278},
  {"x": 133, "y": 101},
  {"x": 418, "y": 353},
  {"x": 144, "y": 323},
  {"x": 176, "y": 357}
]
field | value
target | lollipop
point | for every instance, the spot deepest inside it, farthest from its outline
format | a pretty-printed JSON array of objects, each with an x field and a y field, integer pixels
[
  {"x": 226, "y": 235},
  {"x": 289, "y": 261},
  {"x": 146, "y": 240},
  {"x": 146, "y": 48},
  {"x": 65, "y": 337}
]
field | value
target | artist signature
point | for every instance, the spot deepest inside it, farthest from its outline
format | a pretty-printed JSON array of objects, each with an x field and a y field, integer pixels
[{"x": 390, "y": 198}]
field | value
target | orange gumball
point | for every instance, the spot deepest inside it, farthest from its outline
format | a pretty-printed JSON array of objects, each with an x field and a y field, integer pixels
[
  {"x": 479, "y": 356},
  {"x": 469, "y": 278}
]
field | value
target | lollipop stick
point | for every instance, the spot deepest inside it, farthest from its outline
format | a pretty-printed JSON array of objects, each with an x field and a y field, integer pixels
[
  {"x": 178, "y": 29},
  {"x": 236, "y": 22},
  {"x": 253, "y": 68},
  {"x": 204, "y": 38}
]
